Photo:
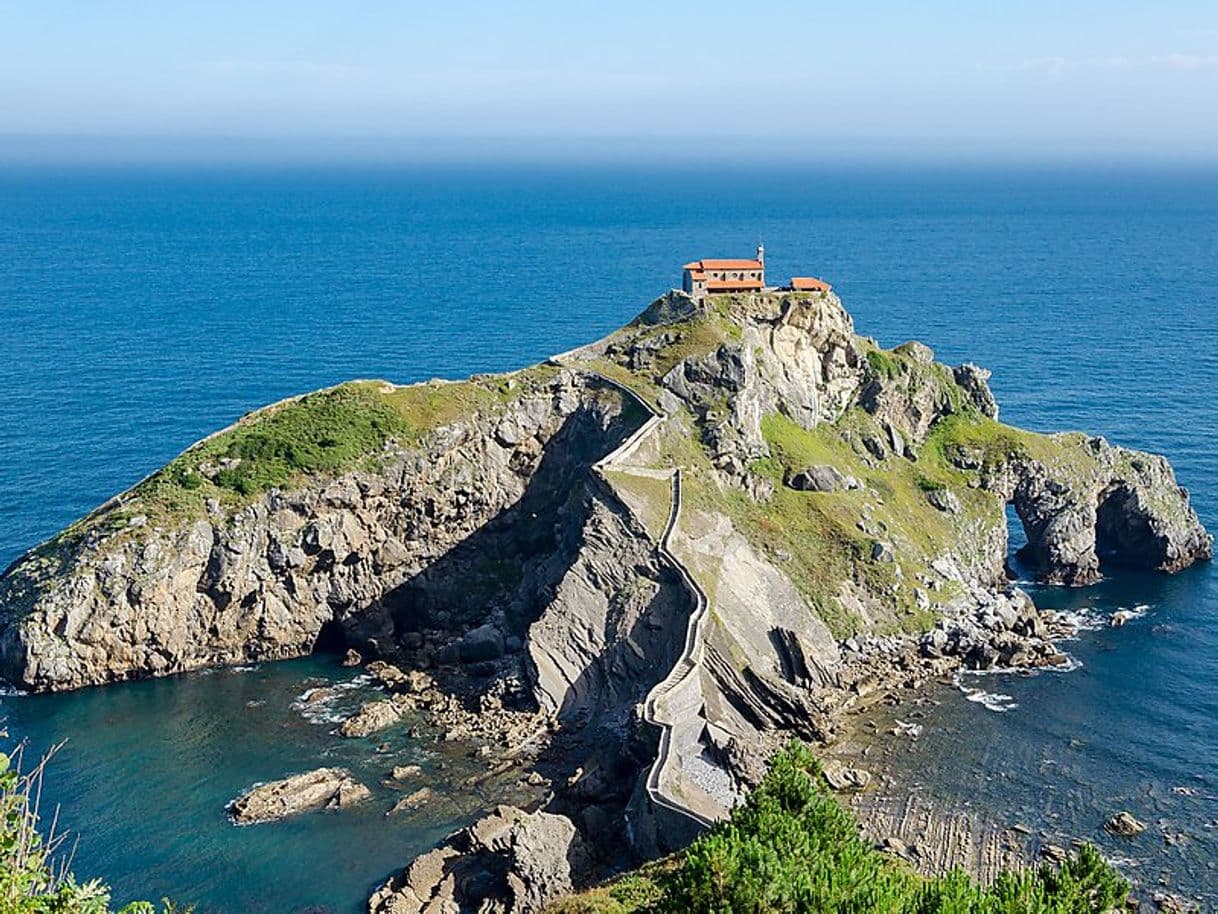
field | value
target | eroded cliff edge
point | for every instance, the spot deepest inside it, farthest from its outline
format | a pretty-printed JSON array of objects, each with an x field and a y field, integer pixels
[{"x": 840, "y": 515}]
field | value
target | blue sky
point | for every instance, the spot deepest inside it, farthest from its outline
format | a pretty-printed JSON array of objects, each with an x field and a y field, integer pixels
[{"x": 1023, "y": 78}]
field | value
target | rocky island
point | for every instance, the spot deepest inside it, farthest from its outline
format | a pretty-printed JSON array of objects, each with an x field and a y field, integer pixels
[{"x": 633, "y": 570}]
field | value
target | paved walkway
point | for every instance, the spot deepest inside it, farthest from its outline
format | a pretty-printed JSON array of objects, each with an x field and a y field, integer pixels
[{"x": 677, "y": 699}]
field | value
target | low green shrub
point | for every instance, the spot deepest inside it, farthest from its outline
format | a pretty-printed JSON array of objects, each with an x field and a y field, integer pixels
[
  {"x": 883, "y": 363},
  {"x": 792, "y": 849}
]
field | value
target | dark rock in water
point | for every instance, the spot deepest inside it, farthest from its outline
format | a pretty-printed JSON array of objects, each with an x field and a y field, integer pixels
[
  {"x": 1124, "y": 825},
  {"x": 325, "y": 788},
  {"x": 509, "y": 861},
  {"x": 352, "y": 658}
]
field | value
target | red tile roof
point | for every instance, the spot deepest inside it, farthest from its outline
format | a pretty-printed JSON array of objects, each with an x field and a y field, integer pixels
[
  {"x": 809, "y": 284},
  {"x": 731, "y": 264}
]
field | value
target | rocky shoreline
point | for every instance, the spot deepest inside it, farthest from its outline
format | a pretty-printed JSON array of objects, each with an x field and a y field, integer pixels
[{"x": 628, "y": 574}]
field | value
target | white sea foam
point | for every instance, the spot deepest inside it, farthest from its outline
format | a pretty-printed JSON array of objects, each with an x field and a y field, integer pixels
[
  {"x": 991, "y": 701},
  {"x": 1087, "y": 619},
  {"x": 1123, "y": 615},
  {"x": 330, "y": 706}
]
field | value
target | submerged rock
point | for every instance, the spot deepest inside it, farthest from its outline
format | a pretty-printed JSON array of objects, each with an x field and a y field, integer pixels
[
  {"x": 325, "y": 788},
  {"x": 405, "y": 772},
  {"x": 411, "y": 801}
]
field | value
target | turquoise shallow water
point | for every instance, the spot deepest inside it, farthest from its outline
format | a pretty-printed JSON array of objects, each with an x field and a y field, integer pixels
[
  {"x": 149, "y": 767},
  {"x": 143, "y": 309}
]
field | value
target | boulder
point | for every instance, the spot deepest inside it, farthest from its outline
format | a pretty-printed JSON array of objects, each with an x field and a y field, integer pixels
[
  {"x": 481, "y": 644},
  {"x": 821, "y": 478},
  {"x": 944, "y": 500},
  {"x": 1124, "y": 825},
  {"x": 386, "y": 674},
  {"x": 842, "y": 777},
  {"x": 372, "y": 717},
  {"x": 509, "y": 861},
  {"x": 325, "y": 788}
]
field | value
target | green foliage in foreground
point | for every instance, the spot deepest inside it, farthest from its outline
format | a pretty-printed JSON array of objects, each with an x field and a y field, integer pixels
[
  {"x": 32, "y": 879},
  {"x": 791, "y": 848}
]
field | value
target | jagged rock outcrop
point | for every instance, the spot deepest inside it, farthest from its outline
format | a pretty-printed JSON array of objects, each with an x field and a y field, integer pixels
[
  {"x": 1122, "y": 507},
  {"x": 260, "y": 583},
  {"x": 791, "y": 356},
  {"x": 325, "y": 788},
  {"x": 508, "y": 862}
]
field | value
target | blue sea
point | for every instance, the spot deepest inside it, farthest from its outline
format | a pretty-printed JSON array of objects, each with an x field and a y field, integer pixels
[{"x": 144, "y": 308}]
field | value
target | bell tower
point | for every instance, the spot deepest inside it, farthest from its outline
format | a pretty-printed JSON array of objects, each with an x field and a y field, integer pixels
[{"x": 761, "y": 260}]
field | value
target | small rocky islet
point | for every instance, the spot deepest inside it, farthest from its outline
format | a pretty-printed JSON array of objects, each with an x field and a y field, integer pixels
[{"x": 627, "y": 574}]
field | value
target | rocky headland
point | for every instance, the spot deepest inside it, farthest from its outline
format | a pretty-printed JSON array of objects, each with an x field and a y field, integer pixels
[{"x": 630, "y": 572}]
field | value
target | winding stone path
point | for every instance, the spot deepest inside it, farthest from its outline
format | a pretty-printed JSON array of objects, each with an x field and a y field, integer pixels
[{"x": 677, "y": 698}]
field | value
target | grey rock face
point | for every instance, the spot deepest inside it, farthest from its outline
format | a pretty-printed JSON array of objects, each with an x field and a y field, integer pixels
[
  {"x": 1122, "y": 507},
  {"x": 795, "y": 356},
  {"x": 614, "y": 619},
  {"x": 975, "y": 382},
  {"x": 261, "y": 584},
  {"x": 325, "y": 788},
  {"x": 509, "y": 861}
]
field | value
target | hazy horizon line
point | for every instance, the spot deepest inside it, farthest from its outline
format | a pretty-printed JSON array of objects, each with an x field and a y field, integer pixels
[{"x": 150, "y": 149}]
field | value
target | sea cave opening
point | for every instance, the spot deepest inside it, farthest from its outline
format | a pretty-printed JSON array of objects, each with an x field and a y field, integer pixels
[
  {"x": 1123, "y": 537},
  {"x": 1017, "y": 565},
  {"x": 331, "y": 639}
]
